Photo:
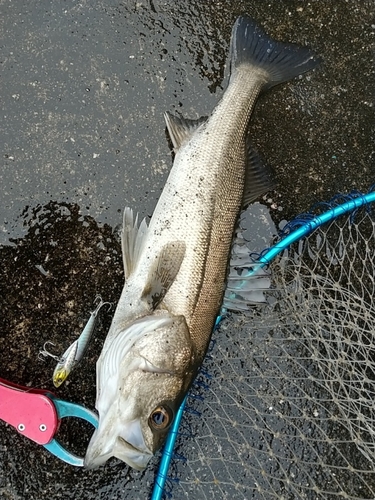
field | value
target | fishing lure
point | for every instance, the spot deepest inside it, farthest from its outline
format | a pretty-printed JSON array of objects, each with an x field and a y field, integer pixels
[{"x": 75, "y": 352}]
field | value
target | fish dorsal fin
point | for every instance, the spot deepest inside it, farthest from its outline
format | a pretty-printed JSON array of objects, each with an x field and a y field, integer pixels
[
  {"x": 181, "y": 129},
  {"x": 163, "y": 272},
  {"x": 258, "y": 177},
  {"x": 132, "y": 240}
]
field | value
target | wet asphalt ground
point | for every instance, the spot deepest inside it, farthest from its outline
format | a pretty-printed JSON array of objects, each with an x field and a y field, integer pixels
[{"x": 84, "y": 88}]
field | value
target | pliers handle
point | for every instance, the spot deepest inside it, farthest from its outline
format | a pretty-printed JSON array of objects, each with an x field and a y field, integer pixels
[{"x": 37, "y": 413}]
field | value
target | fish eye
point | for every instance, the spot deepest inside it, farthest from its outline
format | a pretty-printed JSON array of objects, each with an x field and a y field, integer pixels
[{"x": 161, "y": 418}]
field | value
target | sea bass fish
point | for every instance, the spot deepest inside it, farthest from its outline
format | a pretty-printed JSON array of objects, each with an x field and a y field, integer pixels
[{"x": 176, "y": 268}]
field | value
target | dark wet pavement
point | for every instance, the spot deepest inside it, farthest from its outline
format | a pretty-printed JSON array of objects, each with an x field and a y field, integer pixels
[{"x": 84, "y": 89}]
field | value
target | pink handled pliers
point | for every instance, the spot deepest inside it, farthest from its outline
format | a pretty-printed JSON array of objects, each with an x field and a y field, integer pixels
[{"x": 36, "y": 414}]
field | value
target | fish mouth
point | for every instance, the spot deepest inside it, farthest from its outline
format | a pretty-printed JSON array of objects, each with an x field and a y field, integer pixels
[
  {"x": 136, "y": 458},
  {"x": 128, "y": 445},
  {"x": 124, "y": 451}
]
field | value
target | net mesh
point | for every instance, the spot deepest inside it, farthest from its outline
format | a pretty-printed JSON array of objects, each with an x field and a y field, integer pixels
[{"x": 285, "y": 406}]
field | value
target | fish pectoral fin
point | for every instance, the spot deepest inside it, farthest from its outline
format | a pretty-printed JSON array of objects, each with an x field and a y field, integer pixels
[
  {"x": 181, "y": 129},
  {"x": 132, "y": 240},
  {"x": 163, "y": 272},
  {"x": 258, "y": 177},
  {"x": 246, "y": 285}
]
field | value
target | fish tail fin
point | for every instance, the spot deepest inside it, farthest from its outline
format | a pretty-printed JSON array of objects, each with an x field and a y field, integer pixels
[{"x": 251, "y": 46}]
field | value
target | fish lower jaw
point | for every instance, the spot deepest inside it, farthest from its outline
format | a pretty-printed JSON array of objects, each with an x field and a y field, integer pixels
[
  {"x": 114, "y": 438},
  {"x": 122, "y": 450},
  {"x": 125, "y": 451}
]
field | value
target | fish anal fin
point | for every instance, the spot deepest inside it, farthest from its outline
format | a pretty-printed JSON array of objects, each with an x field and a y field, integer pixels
[
  {"x": 258, "y": 177},
  {"x": 132, "y": 240},
  {"x": 163, "y": 272},
  {"x": 181, "y": 129}
]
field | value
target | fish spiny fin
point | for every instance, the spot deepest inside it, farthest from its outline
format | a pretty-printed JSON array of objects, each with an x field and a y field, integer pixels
[
  {"x": 163, "y": 272},
  {"x": 132, "y": 240},
  {"x": 258, "y": 177},
  {"x": 181, "y": 129}
]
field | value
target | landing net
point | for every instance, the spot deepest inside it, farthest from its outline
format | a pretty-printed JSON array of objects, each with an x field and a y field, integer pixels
[{"x": 284, "y": 406}]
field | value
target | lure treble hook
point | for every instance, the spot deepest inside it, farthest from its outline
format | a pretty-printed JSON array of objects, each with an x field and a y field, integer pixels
[{"x": 44, "y": 352}]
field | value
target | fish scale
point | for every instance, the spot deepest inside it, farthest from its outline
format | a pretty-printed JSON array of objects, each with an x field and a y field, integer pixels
[{"x": 229, "y": 192}]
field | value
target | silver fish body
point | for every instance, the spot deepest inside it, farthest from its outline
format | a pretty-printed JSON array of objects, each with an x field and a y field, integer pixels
[{"x": 175, "y": 269}]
